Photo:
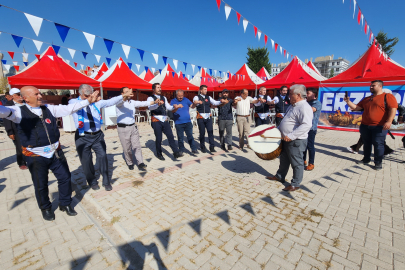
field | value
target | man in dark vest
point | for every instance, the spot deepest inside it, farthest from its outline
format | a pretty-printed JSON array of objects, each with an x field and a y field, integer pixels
[
  {"x": 262, "y": 108},
  {"x": 160, "y": 121},
  {"x": 225, "y": 120},
  {"x": 282, "y": 102},
  {"x": 39, "y": 135},
  {"x": 204, "y": 121},
  {"x": 11, "y": 128}
]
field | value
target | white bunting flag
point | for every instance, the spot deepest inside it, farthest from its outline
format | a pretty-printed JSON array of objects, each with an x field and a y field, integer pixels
[
  {"x": 245, "y": 24},
  {"x": 259, "y": 34},
  {"x": 205, "y": 69},
  {"x": 167, "y": 73},
  {"x": 90, "y": 39},
  {"x": 153, "y": 70},
  {"x": 288, "y": 55},
  {"x": 38, "y": 44},
  {"x": 362, "y": 18},
  {"x": 137, "y": 66},
  {"x": 25, "y": 55},
  {"x": 272, "y": 43},
  {"x": 354, "y": 9},
  {"x": 227, "y": 10},
  {"x": 368, "y": 28},
  {"x": 215, "y": 72},
  {"x": 175, "y": 62},
  {"x": 7, "y": 67},
  {"x": 156, "y": 56},
  {"x": 193, "y": 66},
  {"x": 98, "y": 58},
  {"x": 51, "y": 57},
  {"x": 281, "y": 50},
  {"x": 188, "y": 77},
  {"x": 15, "y": 63},
  {"x": 119, "y": 62},
  {"x": 72, "y": 52},
  {"x": 82, "y": 66},
  {"x": 126, "y": 49},
  {"x": 35, "y": 22},
  {"x": 67, "y": 61}
]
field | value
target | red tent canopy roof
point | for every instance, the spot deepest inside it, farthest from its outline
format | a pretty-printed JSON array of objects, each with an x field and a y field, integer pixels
[
  {"x": 263, "y": 73},
  {"x": 170, "y": 82},
  {"x": 370, "y": 66},
  {"x": 311, "y": 66},
  {"x": 51, "y": 72},
  {"x": 295, "y": 73},
  {"x": 101, "y": 71},
  {"x": 149, "y": 76},
  {"x": 119, "y": 75},
  {"x": 246, "y": 79}
]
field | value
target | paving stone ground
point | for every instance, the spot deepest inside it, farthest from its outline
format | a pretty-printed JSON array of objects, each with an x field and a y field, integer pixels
[{"x": 210, "y": 212}]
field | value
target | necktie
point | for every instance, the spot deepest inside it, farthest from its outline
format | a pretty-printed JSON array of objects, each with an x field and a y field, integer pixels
[{"x": 91, "y": 119}]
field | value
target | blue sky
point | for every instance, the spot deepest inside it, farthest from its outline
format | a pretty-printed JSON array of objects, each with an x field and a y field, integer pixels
[{"x": 197, "y": 33}]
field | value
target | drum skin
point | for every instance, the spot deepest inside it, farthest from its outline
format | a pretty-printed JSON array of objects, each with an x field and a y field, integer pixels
[{"x": 266, "y": 148}]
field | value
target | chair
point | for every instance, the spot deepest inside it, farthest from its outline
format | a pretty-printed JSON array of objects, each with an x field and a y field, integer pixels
[
  {"x": 214, "y": 116},
  {"x": 148, "y": 117},
  {"x": 138, "y": 116},
  {"x": 234, "y": 116},
  {"x": 193, "y": 117}
]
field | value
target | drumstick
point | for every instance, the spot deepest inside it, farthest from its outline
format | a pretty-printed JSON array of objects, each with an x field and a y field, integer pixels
[
  {"x": 270, "y": 137},
  {"x": 261, "y": 132}
]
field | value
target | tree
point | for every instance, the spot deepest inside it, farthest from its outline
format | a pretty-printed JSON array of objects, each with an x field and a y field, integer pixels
[
  {"x": 387, "y": 44},
  {"x": 331, "y": 73},
  {"x": 258, "y": 58},
  {"x": 3, "y": 85}
]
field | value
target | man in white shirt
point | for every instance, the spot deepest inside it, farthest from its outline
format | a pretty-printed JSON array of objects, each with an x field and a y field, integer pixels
[
  {"x": 242, "y": 104},
  {"x": 127, "y": 128},
  {"x": 262, "y": 108},
  {"x": 39, "y": 135},
  {"x": 294, "y": 130},
  {"x": 89, "y": 136},
  {"x": 204, "y": 121},
  {"x": 160, "y": 121}
]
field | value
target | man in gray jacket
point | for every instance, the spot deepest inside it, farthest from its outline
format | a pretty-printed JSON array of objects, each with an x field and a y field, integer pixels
[{"x": 294, "y": 130}]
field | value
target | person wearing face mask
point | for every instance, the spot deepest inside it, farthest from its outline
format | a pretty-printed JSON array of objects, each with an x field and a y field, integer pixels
[
  {"x": 203, "y": 103},
  {"x": 282, "y": 102},
  {"x": 160, "y": 121},
  {"x": 11, "y": 128},
  {"x": 262, "y": 108}
]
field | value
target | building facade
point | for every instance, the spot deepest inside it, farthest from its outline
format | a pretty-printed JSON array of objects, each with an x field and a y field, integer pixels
[{"x": 325, "y": 64}]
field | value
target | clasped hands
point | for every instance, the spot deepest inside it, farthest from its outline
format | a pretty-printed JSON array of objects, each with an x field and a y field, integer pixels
[{"x": 285, "y": 138}]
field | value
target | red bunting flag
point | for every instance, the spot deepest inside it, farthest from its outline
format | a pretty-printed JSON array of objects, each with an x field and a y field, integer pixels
[
  {"x": 11, "y": 54},
  {"x": 219, "y": 4},
  {"x": 285, "y": 52},
  {"x": 265, "y": 39},
  {"x": 17, "y": 68},
  {"x": 38, "y": 56},
  {"x": 359, "y": 16},
  {"x": 75, "y": 64},
  {"x": 238, "y": 16},
  {"x": 276, "y": 46},
  {"x": 255, "y": 30},
  {"x": 365, "y": 28}
]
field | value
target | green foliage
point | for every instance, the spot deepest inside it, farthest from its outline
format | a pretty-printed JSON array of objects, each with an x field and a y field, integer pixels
[
  {"x": 386, "y": 43},
  {"x": 331, "y": 73},
  {"x": 258, "y": 58}
]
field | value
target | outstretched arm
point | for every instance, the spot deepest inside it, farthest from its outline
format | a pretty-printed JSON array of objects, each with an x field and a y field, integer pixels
[{"x": 64, "y": 110}]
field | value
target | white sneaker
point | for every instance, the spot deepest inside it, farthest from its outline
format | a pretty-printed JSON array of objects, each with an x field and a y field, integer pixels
[{"x": 351, "y": 150}]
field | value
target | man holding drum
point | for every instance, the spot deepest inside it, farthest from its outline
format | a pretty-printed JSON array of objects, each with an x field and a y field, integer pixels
[{"x": 294, "y": 130}]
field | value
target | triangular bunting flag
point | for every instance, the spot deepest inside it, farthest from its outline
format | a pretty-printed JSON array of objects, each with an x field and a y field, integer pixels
[
  {"x": 7, "y": 67},
  {"x": 365, "y": 27},
  {"x": 62, "y": 30},
  {"x": 164, "y": 59},
  {"x": 82, "y": 67},
  {"x": 25, "y": 55},
  {"x": 175, "y": 63},
  {"x": 219, "y": 4},
  {"x": 137, "y": 66},
  {"x": 156, "y": 57},
  {"x": 254, "y": 27},
  {"x": 173, "y": 73},
  {"x": 38, "y": 56},
  {"x": 90, "y": 39},
  {"x": 193, "y": 66},
  {"x": 25, "y": 63},
  {"x": 245, "y": 24},
  {"x": 141, "y": 53},
  {"x": 75, "y": 64},
  {"x": 119, "y": 63},
  {"x": 146, "y": 69},
  {"x": 126, "y": 49},
  {"x": 288, "y": 55},
  {"x": 227, "y": 11},
  {"x": 272, "y": 43},
  {"x": 72, "y": 52},
  {"x": 276, "y": 46},
  {"x": 4, "y": 62},
  {"x": 15, "y": 63},
  {"x": 108, "y": 44},
  {"x": 265, "y": 40},
  {"x": 215, "y": 73},
  {"x": 108, "y": 60},
  {"x": 98, "y": 58},
  {"x": 160, "y": 71},
  {"x": 238, "y": 16},
  {"x": 184, "y": 76},
  {"x": 354, "y": 9},
  {"x": 185, "y": 66},
  {"x": 38, "y": 44},
  {"x": 56, "y": 49},
  {"x": 84, "y": 54},
  {"x": 17, "y": 40},
  {"x": 281, "y": 50},
  {"x": 35, "y": 22},
  {"x": 199, "y": 68},
  {"x": 259, "y": 34},
  {"x": 359, "y": 16},
  {"x": 211, "y": 72},
  {"x": 153, "y": 70},
  {"x": 188, "y": 77},
  {"x": 50, "y": 57},
  {"x": 11, "y": 54},
  {"x": 285, "y": 52},
  {"x": 17, "y": 68},
  {"x": 129, "y": 65}
]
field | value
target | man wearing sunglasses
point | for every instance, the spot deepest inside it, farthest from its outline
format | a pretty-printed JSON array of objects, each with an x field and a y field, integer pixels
[{"x": 379, "y": 111}]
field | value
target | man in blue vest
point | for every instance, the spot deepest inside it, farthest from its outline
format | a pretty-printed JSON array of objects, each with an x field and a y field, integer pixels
[
  {"x": 39, "y": 134},
  {"x": 282, "y": 102},
  {"x": 204, "y": 121},
  {"x": 262, "y": 108},
  {"x": 89, "y": 136},
  {"x": 160, "y": 121}
]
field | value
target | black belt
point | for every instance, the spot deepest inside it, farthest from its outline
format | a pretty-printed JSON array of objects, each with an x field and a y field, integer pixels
[
  {"x": 124, "y": 125},
  {"x": 92, "y": 133}
]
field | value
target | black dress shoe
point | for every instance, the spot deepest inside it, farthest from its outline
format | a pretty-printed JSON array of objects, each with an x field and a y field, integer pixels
[
  {"x": 131, "y": 167},
  {"x": 68, "y": 209},
  {"x": 108, "y": 187},
  {"x": 142, "y": 166},
  {"x": 212, "y": 150},
  {"x": 47, "y": 214},
  {"x": 178, "y": 154},
  {"x": 362, "y": 162},
  {"x": 161, "y": 157},
  {"x": 223, "y": 147},
  {"x": 204, "y": 150},
  {"x": 195, "y": 152},
  {"x": 230, "y": 147},
  {"x": 378, "y": 167},
  {"x": 95, "y": 187}
]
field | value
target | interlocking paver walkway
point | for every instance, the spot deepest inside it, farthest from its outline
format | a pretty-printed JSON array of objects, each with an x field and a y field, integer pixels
[{"x": 210, "y": 212}]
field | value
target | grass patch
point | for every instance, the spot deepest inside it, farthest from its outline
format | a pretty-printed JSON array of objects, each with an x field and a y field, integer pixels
[
  {"x": 336, "y": 242},
  {"x": 315, "y": 214},
  {"x": 87, "y": 227},
  {"x": 115, "y": 219},
  {"x": 137, "y": 183}
]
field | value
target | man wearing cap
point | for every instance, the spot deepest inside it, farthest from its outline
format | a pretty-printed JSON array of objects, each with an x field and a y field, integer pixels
[
  {"x": 39, "y": 136},
  {"x": 11, "y": 128},
  {"x": 225, "y": 120}
]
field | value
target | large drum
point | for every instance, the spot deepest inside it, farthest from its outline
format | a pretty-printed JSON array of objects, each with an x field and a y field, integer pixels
[{"x": 265, "y": 141}]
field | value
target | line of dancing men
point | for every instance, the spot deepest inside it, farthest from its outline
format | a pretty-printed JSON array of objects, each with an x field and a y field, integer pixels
[{"x": 37, "y": 135}]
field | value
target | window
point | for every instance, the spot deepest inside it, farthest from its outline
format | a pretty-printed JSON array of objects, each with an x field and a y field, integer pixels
[
  {"x": 337, "y": 69},
  {"x": 333, "y": 63},
  {"x": 337, "y": 63}
]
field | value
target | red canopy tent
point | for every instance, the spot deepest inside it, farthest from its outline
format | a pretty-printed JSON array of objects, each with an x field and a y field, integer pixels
[
  {"x": 119, "y": 75},
  {"x": 244, "y": 78},
  {"x": 147, "y": 76},
  {"x": 372, "y": 65},
  {"x": 295, "y": 73},
  {"x": 50, "y": 72},
  {"x": 263, "y": 74},
  {"x": 203, "y": 78},
  {"x": 311, "y": 66},
  {"x": 99, "y": 72},
  {"x": 170, "y": 80}
]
